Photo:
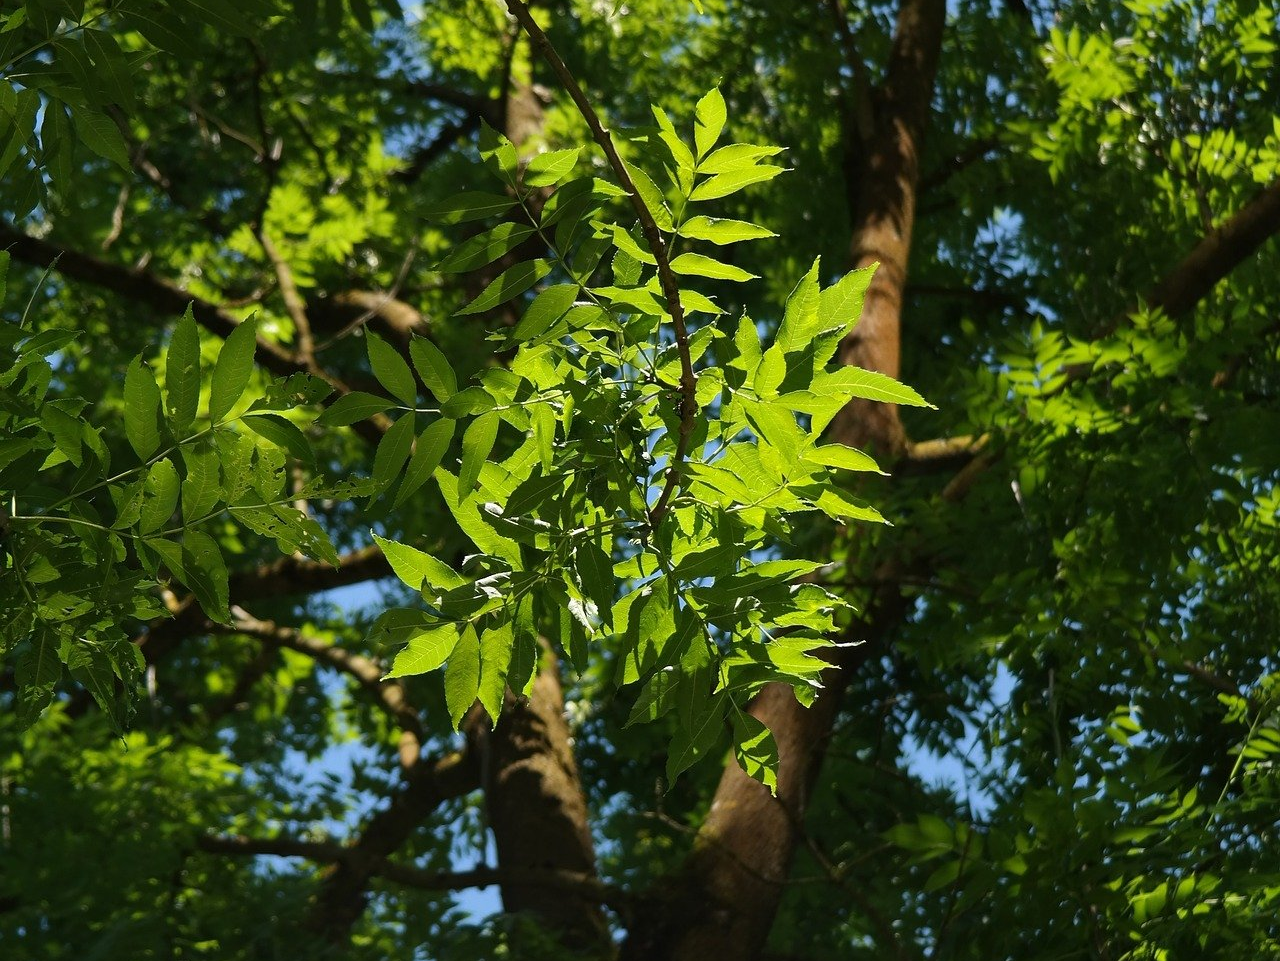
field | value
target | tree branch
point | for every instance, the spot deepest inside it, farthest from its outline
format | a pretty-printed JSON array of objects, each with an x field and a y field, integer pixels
[
  {"x": 657, "y": 245},
  {"x": 283, "y": 577},
  {"x": 429, "y": 784},
  {"x": 390, "y": 695},
  {"x": 580, "y": 885},
  {"x": 140, "y": 287}
]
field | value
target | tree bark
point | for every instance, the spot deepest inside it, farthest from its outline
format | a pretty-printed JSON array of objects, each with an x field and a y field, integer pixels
[{"x": 536, "y": 809}]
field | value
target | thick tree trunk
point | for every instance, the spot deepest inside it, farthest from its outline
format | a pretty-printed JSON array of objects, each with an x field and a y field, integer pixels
[
  {"x": 536, "y": 808},
  {"x": 728, "y": 897}
]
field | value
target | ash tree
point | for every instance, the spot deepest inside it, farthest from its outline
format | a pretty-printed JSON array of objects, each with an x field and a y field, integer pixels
[{"x": 468, "y": 447}]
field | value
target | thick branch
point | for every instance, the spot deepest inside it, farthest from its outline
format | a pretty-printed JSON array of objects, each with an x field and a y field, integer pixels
[
  {"x": 281, "y": 578},
  {"x": 1218, "y": 253},
  {"x": 389, "y": 695},
  {"x": 657, "y": 245},
  {"x": 574, "y": 883},
  {"x": 140, "y": 287},
  {"x": 429, "y": 784},
  {"x": 1210, "y": 261},
  {"x": 348, "y": 310}
]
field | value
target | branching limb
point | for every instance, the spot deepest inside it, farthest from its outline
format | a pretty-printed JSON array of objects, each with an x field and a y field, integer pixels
[
  {"x": 657, "y": 245},
  {"x": 390, "y": 695},
  {"x": 141, "y": 287},
  {"x": 326, "y": 852}
]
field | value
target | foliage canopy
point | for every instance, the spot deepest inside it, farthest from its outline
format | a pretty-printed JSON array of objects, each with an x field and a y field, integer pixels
[{"x": 525, "y": 334}]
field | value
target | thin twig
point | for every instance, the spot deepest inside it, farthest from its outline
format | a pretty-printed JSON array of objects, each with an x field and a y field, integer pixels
[{"x": 666, "y": 277}]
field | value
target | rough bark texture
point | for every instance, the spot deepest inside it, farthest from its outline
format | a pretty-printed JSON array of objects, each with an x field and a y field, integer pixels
[
  {"x": 735, "y": 876},
  {"x": 536, "y": 808}
]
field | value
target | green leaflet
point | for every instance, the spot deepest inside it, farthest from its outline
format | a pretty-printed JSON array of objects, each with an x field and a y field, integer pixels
[
  {"x": 418, "y": 568},
  {"x": 485, "y": 248},
  {"x": 699, "y": 732},
  {"x": 425, "y": 652},
  {"x": 595, "y": 577},
  {"x": 550, "y": 168},
  {"x": 477, "y": 443},
  {"x": 141, "y": 409},
  {"x": 850, "y": 382},
  {"x": 393, "y": 450},
  {"x": 182, "y": 375},
  {"x": 736, "y": 156},
  {"x": 800, "y": 319},
  {"x": 390, "y": 369},
  {"x": 205, "y": 573},
  {"x": 428, "y": 452},
  {"x": 496, "y": 647},
  {"x": 721, "y": 232},
  {"x": 697, "y": 265},
  {"x": 233, "y": 368},
  {"x": 101, "y": 135},
  {"x": 548, "y": 307},
  {"x": 434, "y": 368},
  {"x": 651, "y": 196},
  {"x": 283, "y": 433},
  {"x": 709, "y": 118},
  {"x": 755, "y": 750},
  {"x": 352, "y": 408},
  {"x": 202, "y": 485},
  {"x": 510, "y": 283},
  {"x": 523, "y": 669},
  {"x": 462, "y": 676},
  {"x": 160, "y": 496},
  {"x": 722, "y": 185},
  {"x": 469, "y": 205}
]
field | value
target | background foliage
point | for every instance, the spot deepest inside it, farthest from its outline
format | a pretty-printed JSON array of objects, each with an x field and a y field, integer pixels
[{"x": 1056, "y": 735}]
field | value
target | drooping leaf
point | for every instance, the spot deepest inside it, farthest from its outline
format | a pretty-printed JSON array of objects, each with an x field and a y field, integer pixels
[
  {"x": 477, "y": 443},
  {"x": 756, "y": 750},
  {"x": 595, "y": 575},
  {"x": 428, "y": 451},
  {"x": 496, "y": 645},
  {"x": 393, "y": 450},
  {"x": 141, "y": 409},
  {"x": 206, "y": 573},
  {"x": 434, "y": 368},
  {"x": 391, "y": 370},
  {"x": 182, "y": 375},
  {"x": 462, "y": 676}
]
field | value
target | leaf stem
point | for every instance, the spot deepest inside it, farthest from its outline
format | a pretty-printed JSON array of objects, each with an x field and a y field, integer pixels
[{"x": 670, "y": 288}]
